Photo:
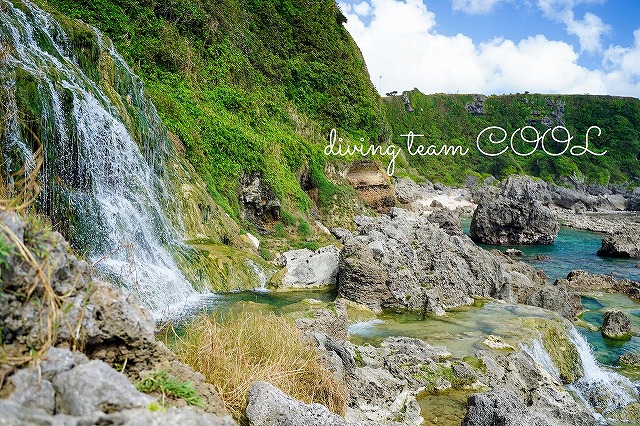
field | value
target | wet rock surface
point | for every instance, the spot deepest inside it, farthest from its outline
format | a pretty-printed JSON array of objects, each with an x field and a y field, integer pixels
[{"x": 616, "y": 325}]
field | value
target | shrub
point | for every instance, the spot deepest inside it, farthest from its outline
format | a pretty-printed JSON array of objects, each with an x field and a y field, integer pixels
[
  {"x": 304, "y": 228},
  {"x": 249, "y": 346}
]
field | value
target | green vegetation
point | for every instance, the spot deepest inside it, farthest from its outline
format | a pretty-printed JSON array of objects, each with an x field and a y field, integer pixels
[
  {"x": 444, "y": 119},
  {"x": 246, "y": 85},
  {"x": 162, "y": 382},
  {"x": 249, "y": 346}
]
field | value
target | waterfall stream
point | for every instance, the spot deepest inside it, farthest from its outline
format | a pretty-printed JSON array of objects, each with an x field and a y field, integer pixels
[
  {"x": 601, "y": 390},
  {"x": 104, "y": 148}
]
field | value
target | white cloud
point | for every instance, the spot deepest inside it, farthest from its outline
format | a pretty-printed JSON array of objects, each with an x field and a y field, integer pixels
[
  {"x": 589, "y": 30},
  {"x": 362, "y": 8},
  {"x": 399, "y": 43},
  {"x": 473, "y": 7}
]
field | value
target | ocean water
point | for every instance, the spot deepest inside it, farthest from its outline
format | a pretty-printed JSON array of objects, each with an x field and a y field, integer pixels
[{"x": 572, "y": 249}]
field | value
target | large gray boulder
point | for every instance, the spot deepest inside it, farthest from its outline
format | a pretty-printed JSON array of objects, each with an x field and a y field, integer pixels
[
  {"x": 517, "y": 215},
  {"x": 418, "y": 266},
  {"x": 624, "y": 242},
  {"x": 95, "y": 386},
  {"x": 269, "y": 406},
  {"x": 307, "y": 269},
  {"x": 616, "y": 325}
]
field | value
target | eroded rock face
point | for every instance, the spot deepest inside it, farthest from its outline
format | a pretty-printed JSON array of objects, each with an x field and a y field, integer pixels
[
  {"x": 616, "y": 325},
  {"x": 446, "y": 220},
  {"x": 402, "y": 261},
  {"x": 517, "y": 215},
  {"x": 624, "y": 242},
  {"x": 269, "y": 406},
  {"x": 583, "y": 280},
  {"x": 260, "y": 203},
  {"x": 68, "y": 389},
  {"x": 373, "y": 185}
]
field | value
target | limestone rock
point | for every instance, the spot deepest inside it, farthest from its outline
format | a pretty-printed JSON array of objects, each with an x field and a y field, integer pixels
[
  {"x": 94, "y": 386},
  {"x": 269, "y": 406},
  {"x": 343, "y": 235},
  {"x": 518, "y": 215},
  {"x": 259, "y": 201},
  {"x": 630, "y": 358},
  {"x": 616, "y": 325},
  {"x": 625, "y": 242},
  {"x": 420, "y": 267},
  {"x": 523, "y": 394},
  {"x": 307, "y": 269},
  {"x": 447, "y": 220},
  {"x": 360, "y": 278},
  {"x": 373, "y": 185}
]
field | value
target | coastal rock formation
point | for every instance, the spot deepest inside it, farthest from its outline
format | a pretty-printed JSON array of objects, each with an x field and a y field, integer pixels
[
  {"x": 260, "y": 203},
  {"x": 624, "y": 242},
  {"x": 269, "y": 406},
  {"x": 403, "y": 261},
  {"x": 446, "y": 220},
  {"x": 518, "y": 215},
  {"x": 583, "y": 280},
  {"x": 616, "y": 325},
  {"x": 307, "y": 269},
  {"x": 373, "y": 185}
]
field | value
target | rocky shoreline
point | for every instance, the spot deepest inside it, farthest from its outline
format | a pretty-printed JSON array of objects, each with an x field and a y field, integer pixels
[{"x": 74, "y": 346}]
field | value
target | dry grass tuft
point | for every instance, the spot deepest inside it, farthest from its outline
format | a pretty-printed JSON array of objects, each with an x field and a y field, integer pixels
[{"x": 249, "y": 346}]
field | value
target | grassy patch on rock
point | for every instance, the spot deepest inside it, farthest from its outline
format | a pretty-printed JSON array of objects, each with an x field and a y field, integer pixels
[{"x": 249, "y": 346}]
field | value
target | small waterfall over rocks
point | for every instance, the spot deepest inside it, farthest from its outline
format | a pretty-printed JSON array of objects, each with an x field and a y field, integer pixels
[
  {"x": 600, "y": 389},
  {"x": 104, "y": 147}
]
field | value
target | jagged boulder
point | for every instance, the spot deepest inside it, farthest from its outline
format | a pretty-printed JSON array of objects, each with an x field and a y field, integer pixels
[
  {"x": 447, "y": 220},
  {"x": 624, "y": 242},
  {"x": 517, "y": 215},
  {"x": 69, "y": 307},
  {"x": 373, "y": 185},
  {"x": 269, "y": 406},
  {"x": 523, "y": 394},
  {"x": 616, "y": 325},
  {"x": 402, "y": 261}
]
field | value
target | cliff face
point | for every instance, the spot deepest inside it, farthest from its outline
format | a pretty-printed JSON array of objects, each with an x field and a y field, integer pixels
[
  {"x": 248, "y": 86},
  {"x": 460, "y": 119}
]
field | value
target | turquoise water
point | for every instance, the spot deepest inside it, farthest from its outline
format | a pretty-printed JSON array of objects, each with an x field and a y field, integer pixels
[{"x": 573, "y": 249}]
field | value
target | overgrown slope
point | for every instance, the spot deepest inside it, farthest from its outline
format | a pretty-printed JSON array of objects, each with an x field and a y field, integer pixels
[
  {"x": 247, "y": 85},
  {"x": 458, "y": 119}
]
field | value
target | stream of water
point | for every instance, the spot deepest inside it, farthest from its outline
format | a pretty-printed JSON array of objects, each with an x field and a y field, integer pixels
[{"x": 98, "y": 179}]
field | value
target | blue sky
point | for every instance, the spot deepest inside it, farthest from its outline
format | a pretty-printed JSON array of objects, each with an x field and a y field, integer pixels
[{"x": 499, "y": 46}]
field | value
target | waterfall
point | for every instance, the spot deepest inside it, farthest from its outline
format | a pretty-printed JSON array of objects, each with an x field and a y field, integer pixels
[
  {"x": 600, "y": 389},
  {"x": 260, "y": 274},
  {"x": 104, "y": 150},
  {"x": 603, "y": 389}
]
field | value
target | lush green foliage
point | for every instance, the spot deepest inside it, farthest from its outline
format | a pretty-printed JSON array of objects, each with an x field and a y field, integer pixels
[
  {"x": 443, "y": 119},
  {"x": 247, "y": 85}
]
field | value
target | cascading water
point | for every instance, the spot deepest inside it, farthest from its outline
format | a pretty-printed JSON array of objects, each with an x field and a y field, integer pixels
[
  {"x": 604, "y": 390},
  {"x": 103, "y": 188},
  {"x": 600, "y": 389}
]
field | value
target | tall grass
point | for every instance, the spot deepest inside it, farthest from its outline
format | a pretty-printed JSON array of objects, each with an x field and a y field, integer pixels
[{"x": 248, "y": 346}]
